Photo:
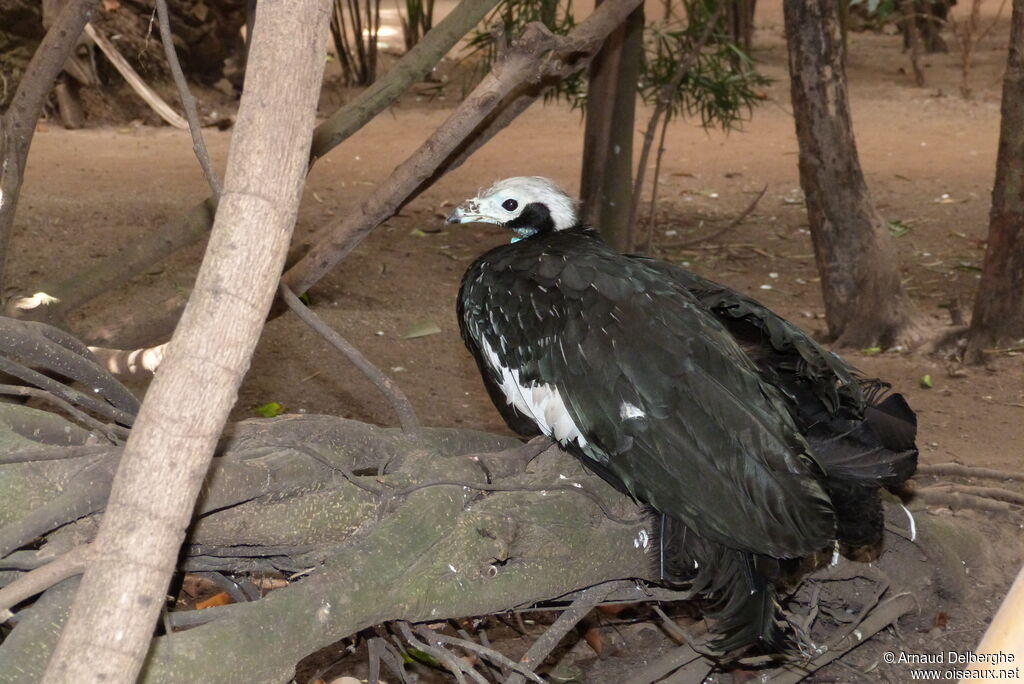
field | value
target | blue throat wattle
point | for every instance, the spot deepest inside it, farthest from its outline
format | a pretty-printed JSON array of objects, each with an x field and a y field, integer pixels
[{"x": 522, "y": 233}]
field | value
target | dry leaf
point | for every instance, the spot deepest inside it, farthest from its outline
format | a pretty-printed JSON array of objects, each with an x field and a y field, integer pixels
[
  {"x": 221, "y": 599},
  {"x": 194, "y": 585},
  {"x": 111, "y": 5},
  {"x": 422, "y": 329}
]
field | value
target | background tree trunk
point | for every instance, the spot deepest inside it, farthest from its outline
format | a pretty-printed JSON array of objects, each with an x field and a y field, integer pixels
[
  {"x": 999, "y": 307},
  {"x": 110, "y": 627},
  {"x": 865, "y": 303},
  {"x": 606, "y": 179}
]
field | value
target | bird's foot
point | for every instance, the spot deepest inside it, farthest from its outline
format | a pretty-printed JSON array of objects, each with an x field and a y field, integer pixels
[{"x": 512, "y": 461}]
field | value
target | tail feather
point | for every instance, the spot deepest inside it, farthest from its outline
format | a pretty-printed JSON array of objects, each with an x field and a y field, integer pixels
[
  {"x": 747, "y": 617},
  {"x": 861, "y": 455}
]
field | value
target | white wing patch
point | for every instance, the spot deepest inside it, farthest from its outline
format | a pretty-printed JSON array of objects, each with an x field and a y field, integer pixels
[
  {"x": 541, "y": 402},
  {"x": 627, "y": 411}
]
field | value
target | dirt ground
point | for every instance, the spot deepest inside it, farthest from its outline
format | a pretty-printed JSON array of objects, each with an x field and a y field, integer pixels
[{"x": 929, "y": 156}]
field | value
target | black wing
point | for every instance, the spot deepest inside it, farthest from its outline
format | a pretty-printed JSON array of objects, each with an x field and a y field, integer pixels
[{"x": 666, "y": 401}]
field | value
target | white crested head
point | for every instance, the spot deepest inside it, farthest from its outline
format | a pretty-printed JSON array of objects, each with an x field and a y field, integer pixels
[{"x": 526, "y": 204}]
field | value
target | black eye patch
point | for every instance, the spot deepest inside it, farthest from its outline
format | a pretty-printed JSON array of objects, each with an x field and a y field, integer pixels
[{"x": 510, "y": 205}]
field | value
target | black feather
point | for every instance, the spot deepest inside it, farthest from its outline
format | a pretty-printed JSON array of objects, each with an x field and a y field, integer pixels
[{"x": 752, "y": 442}]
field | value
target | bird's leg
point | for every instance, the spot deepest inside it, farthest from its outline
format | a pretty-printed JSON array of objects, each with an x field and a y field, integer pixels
[{"x": 514, "y": 460}]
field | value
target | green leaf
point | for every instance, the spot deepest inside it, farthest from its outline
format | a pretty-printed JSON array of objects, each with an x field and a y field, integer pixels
[
  {"x": 926, "y": 381},
  {"x": 422, "y": 329},
  {"x": 413, "y": 654},
  {"x": 871, "y": 351},
  {"x": 269, "y": 410}
]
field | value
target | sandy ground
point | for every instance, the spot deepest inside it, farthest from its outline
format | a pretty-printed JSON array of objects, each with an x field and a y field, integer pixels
[{"x": 928, "y": 154}]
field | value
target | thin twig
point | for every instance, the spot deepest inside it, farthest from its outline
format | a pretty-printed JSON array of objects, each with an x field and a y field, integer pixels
[
  {"x": 569, "y": 618},
  {"x": 42, "y": 578},
  {"x": 662, "y": 105},
  {"x": 717, "y": 234},
  {"x": 141, "y": 88},
  {"x": 454, "y": 665},
  {"x": 187, "y": 100},
  {"x": 399, "y": 402},
  {"x": 483, "y": 651}
]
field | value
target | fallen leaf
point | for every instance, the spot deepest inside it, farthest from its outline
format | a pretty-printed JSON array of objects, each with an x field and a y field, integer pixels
[
  {"x": 422, "y": 329},
  {"x": 221, "y": 599},
  {"x": 194, "y": 585},
  {"x": 111, "y": 5},
  {"x": 269, "y": 410},
  {"x": 926, "y": 381},
  {"x": 871, "y": 351}
]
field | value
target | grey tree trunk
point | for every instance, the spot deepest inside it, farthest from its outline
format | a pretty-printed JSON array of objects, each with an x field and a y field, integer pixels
[
  {"x": 999, "y": 306},
  {"x": 109, "y": 628},
  {"x": 606, "y": 179},
  {"x": 865, "y": 303}
]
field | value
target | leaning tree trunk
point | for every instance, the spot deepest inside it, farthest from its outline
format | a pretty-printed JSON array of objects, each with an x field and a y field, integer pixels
[
  {"x": 606, "y": 183},
  {"x": 999, "y": 306},
  {"x": 865, "y": 303},
  {"x": 109, "y": 628}
]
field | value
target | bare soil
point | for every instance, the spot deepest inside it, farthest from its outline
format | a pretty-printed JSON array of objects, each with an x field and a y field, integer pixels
[{"x": 929, "y": 156}]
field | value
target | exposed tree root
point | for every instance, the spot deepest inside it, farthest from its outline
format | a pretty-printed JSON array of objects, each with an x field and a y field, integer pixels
[{"x": 961, "y": 470}]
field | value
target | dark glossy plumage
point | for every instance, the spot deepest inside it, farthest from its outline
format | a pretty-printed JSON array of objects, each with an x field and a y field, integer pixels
[{"x": 754, "y": 443}]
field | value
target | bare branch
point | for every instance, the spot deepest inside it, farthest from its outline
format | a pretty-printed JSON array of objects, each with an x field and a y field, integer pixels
[
  {"x": 187, "y": 100},
  {"x": 536, "y": 55},
  {"x": 104, "y": 275},
  {"x": 141, "y": 88},
  {"x": 569, "y": 618},
  {"x": 392, "y": 392}
]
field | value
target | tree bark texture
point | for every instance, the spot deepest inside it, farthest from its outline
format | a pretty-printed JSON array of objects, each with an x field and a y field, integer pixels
[
  {"x": 865, "y": 302},
  {"x": 162, "y": 469},
  {"x": 18, "y": 123},
  {"x": 606, "y": 176},
  {"x": 999, "y": 306}
]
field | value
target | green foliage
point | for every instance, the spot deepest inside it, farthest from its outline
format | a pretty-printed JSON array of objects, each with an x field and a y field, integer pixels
[
  {"x": 508, "y": 20},
  {"x": 269, "y": 410},
  {"x": 722, "y": 85}
]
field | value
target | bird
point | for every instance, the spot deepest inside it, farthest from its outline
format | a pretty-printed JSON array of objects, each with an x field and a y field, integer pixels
[{"x": 751, "y": 444}]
